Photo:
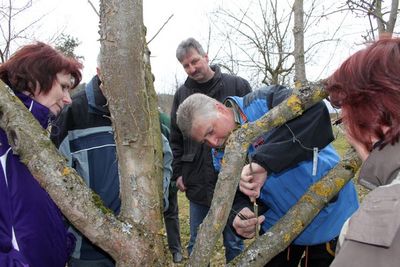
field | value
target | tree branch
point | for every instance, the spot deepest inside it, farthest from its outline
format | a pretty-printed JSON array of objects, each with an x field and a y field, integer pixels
[{"x": 235, "y": 154}]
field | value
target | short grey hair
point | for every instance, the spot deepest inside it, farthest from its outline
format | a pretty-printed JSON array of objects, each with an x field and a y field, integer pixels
[
  {"x": 185, "y": 46},
  {"x": 193, "y": 107}
]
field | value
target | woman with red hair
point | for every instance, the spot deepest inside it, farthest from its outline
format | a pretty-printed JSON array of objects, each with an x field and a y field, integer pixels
[
  {"x": 32, "y": 230},
  {"x": 367, "y": 89}
]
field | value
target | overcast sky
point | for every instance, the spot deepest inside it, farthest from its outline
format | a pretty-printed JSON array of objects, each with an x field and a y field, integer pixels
[{"x": 77, "y": 18}]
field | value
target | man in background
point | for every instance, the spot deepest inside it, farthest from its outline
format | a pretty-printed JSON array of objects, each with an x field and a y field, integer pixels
[
  {"x": 193, "y": 168},
  {"x": 171, "y": 215}
]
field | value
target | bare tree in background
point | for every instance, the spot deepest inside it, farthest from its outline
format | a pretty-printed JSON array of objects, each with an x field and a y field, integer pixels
[
  {"x": 260, "y": 35},
  {"x": 298, "y": 33},
  {"x": 382, "y": 16},
  {"x": 9, "y": 12},
  {"x": 257, "y": 40}
]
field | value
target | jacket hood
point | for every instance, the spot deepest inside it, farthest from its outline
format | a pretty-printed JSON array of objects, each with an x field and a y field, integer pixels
[
  {"x": 40, "y": 112},
  {"x": 381, "y": 166},
  {"x": 96, "y": 100}
]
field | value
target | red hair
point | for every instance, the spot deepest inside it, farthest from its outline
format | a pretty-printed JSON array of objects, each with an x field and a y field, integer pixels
[
  {"x": 367, "y": 88},
  {"x": 38, "y": 63}
]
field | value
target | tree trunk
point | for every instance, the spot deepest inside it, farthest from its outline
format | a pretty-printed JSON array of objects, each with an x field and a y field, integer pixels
[
  {"x": 128, "y": 86},
  {"x": 298, "y": 33},
  {"x": 122, "y": 239}
]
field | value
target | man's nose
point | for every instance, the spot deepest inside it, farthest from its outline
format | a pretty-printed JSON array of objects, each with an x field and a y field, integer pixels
[
  {"x": 212, "y": 141},
  {"x": 191, "y": 69}
]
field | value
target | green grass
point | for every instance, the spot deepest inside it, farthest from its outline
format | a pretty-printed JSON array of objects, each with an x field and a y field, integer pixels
[{"x": 218, "y": 258}]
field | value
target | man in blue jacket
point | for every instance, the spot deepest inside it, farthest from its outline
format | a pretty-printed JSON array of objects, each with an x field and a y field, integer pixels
[{"x": 286, "y": 161}]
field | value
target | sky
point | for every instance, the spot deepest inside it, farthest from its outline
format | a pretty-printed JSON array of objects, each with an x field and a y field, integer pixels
[
  {"x": 190, "y": 19},
  {"x": 77, "y": 18}
]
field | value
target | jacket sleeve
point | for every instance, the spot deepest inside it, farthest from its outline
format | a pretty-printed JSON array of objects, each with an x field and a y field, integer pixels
[
  {"x": 294, "y": 141},
  {"x": 176, "y": 141},
  {"x": 9, "y": 256},
  {"x": 12, "y": 258},
  {"x": 167, "y": 170}
]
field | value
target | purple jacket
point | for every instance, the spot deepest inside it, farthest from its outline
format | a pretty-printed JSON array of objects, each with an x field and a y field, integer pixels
[{"x": 32, "y": 231}]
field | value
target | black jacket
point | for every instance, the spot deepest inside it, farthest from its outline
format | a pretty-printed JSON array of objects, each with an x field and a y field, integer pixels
[{"x": 193, "y": 160}]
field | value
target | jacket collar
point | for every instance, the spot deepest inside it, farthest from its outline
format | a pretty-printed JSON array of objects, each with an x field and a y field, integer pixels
[
  {"x": 190, "y": 83},
  {"x": 381, "y": 166},
  {"x": 40, "y": 112},
  {"x": 97, "y": 102}
]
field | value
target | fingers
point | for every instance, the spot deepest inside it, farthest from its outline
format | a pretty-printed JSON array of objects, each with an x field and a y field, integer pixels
[
  {"x": 179, "y": 183},
  {"x": 252, "y": 179},
  {"x": 246, "y": 228},
  {"x": 250, "y": 189}
]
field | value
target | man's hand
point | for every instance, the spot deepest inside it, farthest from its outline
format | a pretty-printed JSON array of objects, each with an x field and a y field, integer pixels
[
  {"x": 246, "y": 228},
  {"x": 252, "y": 179},
  {"x": 180, "y": 184}
]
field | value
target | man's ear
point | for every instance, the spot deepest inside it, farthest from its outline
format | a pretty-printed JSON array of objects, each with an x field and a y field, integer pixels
[
  {"x": 220, "y": 107},
  {"x": 206, "y": 57},
  {"x": 98, "y": 72}
]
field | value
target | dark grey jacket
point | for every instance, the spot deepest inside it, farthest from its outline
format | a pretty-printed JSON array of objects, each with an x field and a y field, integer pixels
[
  {"x": 372, "y": 236},
  {"x": 192, "y": 160}
]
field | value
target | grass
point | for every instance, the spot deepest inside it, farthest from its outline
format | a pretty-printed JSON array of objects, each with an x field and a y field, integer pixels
[{"x": 218, "y": 258}]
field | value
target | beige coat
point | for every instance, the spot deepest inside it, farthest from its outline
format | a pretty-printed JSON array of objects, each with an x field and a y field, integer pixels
[{"x": 372, "y": 237}]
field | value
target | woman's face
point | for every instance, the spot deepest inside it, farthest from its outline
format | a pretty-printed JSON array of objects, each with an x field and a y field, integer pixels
[
  {"x": 361, "y": 149},
  {"x": 58, "y": 96}
]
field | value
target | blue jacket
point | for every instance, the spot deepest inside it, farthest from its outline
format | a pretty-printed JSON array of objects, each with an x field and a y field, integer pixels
[
  {"x": 84, "y": 134},
  {"x": 32, "y": 230},
  {"x": 287, "y": 155}
]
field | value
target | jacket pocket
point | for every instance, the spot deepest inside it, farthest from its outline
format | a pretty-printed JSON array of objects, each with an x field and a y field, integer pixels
[
  {"x": 190, "y": 149},
  {"x": 377, "y": 220}
]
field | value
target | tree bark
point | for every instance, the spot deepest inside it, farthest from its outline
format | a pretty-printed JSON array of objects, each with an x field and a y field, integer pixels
[
  {"x": 298, "y": 33},
  {"x": 128, "y": 86},
  {"x": 122, "y": 239},
  {"x": 234, "y": 159}
]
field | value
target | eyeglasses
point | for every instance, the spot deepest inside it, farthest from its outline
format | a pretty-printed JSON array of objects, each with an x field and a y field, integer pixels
[
  {"x": 335, "y": 104},
  {"x": 338, "y": 121}
]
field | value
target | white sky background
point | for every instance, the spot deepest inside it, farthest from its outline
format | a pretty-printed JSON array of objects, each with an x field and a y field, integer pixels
[{"x": 77, "y": 18}]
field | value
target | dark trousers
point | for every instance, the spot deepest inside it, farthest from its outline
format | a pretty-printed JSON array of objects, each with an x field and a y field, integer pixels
[
  {"x": 314, "y": 256},
  {"x": 171, "y": 220}
]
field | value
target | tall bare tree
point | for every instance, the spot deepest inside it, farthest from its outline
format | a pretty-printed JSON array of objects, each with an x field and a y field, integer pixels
[
  {"x": 257, "y": 40},
  {"x": 382, "y": 16},
  {"x": 298, "y": 33},
  {"x": 10, "y": 33}
]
